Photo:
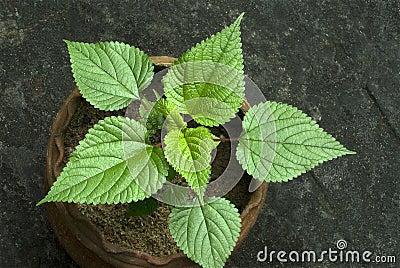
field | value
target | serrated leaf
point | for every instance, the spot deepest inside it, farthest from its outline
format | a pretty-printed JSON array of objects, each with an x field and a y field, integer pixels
[
  {"x": 112, "y": 164},
  {"x": 155, "y": 115},
  {"x": 173, "y": 119},
  {"x": 213, "y": 110},
  {"x": 175, "y": 195},
  {"x": 142, "y": 208},
  {"x": 150, "y": 117},
  {"x": 164, "y": 106},
  {"x": 188, "y": 150},
  {"x": 109, "y": 74},
  {"x": 212, "y": 69},
  {"x": 207, "y": 234},
  {"x": 224, "y": 47},
  {"x": 279, "y": 142},
  {"x": 196, "y": 178}
]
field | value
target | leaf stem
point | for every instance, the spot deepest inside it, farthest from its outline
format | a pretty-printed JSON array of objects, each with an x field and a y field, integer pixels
[
  {"x": 159, "y": 144},
  {"x": 216, "y": 139},
  {"x": 226, "y": 139},
  {"x": 144, "y": 104}
]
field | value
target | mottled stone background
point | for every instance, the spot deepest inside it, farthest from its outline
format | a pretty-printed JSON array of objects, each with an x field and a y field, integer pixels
[{"x": 338, "y": 61}]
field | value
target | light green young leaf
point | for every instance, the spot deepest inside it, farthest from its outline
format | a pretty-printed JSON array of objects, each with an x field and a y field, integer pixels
[
  {"x": 215, "y": 109},
  {"x": 112, "y": 164},
  {"x": 279, "y": 142},
  {"x": 155, "y": 115},
  {"x": 173, "y": 119},
  {"x": 213, "y": 69},
  {"x": 109, "y": 74},
  {"x": 207, "y": 234},
  {"x": 163, "y": 105},
  {"x": 188, "y": 150},
  {"x": 150, "y": 117},
  {"x": 197, "y": 180}
]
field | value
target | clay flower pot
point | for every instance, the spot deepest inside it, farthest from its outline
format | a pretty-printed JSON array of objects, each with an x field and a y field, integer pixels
[{"x": 81, "y": 238}]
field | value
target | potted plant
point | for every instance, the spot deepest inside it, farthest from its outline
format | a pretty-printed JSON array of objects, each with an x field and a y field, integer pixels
[{"x": 168, "y": 130}]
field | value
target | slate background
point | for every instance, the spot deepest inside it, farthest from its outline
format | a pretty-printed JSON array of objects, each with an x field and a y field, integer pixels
[{"x": 338, "y": 61}]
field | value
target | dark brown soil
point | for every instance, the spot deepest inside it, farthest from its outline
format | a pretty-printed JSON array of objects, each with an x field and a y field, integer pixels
[{"x": 150, "y": 233}]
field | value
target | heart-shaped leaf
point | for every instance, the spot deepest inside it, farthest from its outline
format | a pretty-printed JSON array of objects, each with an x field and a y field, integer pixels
[
  {"x": 109, "y": 74},
  {"x": 188, "y": 150},
  {"x": 208, "y": 233},
  {"x": 279, "y": 142},
  {"x": 112, "y": 164},
  {"x": 213, "y": 69}
]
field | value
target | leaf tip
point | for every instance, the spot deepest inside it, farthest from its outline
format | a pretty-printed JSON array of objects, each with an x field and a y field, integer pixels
[
  {"x": 41, "y": 202},
  {"x": 239, "y": 18},
  {"x": 350, "y": 152},
  {"x": 68, "y": 42}
]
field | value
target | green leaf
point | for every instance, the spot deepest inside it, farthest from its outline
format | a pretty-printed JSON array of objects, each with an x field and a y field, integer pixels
[
  {"x": 175, "y": 195},
  {"x": 279, "y": 142},
  {"x": 163, "y": 105},
  {"x": 207, "y": 234},
  {"x": 212, "y": 70},
  {"x": 188, "y": 150},
  {"x": 109, "y": 74},
  {"x": 155, "y": 115},
  {"x": 196, "y": 178},
  {"x": 142, "y": 207},
  {"x": 224, "y": 47},
  {"x": 112, "y": 164},
  {"x": 173, "y": 119},
  {"x": 150, "y": 117},
  {"x": 217, "y": 105}
]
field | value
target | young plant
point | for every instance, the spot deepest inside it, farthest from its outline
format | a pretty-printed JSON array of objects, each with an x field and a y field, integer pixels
[{"x": 116, "y": 162}]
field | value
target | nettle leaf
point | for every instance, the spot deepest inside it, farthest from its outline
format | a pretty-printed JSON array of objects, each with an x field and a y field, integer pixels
[
  {"x": 207, "y": 234},
  {"x": 163, "y": 105},
  {"x": 173, "y": 119},
  {"x": 215, "y": 106},
  {"x": 188, "y": 150},
  {"x": 279, "y": 143},
  {"x": 150, "y": 117},
  {"x": 109, "y": 74},
  {"x": 212, "y": 71},
  {"x": 155, "y": 115},
  {"x": 112, "y": 164},
  {"x": 197, "y": 179}
]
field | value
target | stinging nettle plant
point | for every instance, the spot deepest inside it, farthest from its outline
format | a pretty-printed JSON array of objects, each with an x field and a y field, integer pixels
[{"x": 116, "y": 162}]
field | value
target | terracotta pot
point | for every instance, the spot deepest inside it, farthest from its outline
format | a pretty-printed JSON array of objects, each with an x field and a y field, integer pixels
[{"x": 81, "y": 238}]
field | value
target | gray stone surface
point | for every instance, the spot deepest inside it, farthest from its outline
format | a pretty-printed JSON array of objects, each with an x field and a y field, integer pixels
[{"x": 338, "y": 61}]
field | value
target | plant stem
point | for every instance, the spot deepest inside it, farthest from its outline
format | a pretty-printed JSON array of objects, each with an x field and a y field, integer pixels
[
  {"x": 226, "y": 139},
  {"x": 144, "y": 105},
  {"x": 216, "y": 139},
  {"x": 159, "y": 144}
]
